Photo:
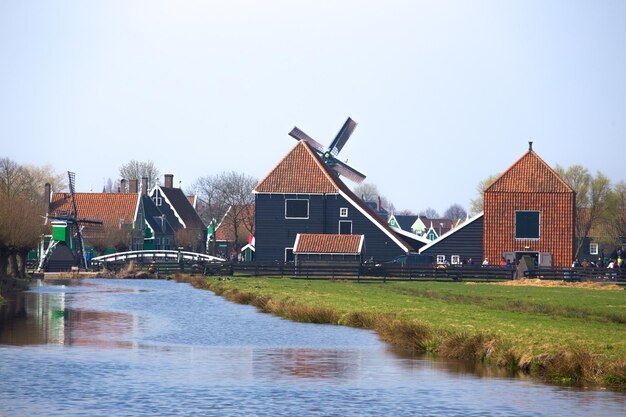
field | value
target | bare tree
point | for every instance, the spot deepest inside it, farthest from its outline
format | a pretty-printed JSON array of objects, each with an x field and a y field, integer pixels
[
  {"x": 455, "y": 212},
  {"x": 617, "y": 222},
  {"x": 366, "y": 191},
  {"x": 21, "y": 211},
  {"x": 430, "y": 213},
  {"x": 478, "y": 204},
  {"x": 229, "y": 192},
  {"x": 593, "y": 200},
  {"x": 136, "y": 170}
]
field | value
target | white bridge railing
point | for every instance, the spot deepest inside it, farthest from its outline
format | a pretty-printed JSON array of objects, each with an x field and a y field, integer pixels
[{"x": 150, "y": 255}]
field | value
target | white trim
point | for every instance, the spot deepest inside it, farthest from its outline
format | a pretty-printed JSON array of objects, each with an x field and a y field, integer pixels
[
  {"x": 248, "y": 246},
  {"x": 169, "y": 203},
  {"x": 361, "y": 243},
  {"x": 451, "y": 232},
  {"x": 308, "y": 207},
  {"x": 295, "y": 245},
  {"x": 375, "y": 221},
  {"x": 443, "y": 259},
  {"x": 412, "y": 235},
  {"x": 339, "y": 227},
  {"x": 137, "y": 209},
  {"x": 597, "y": 251},
  {"x": 454, "y": 258}
]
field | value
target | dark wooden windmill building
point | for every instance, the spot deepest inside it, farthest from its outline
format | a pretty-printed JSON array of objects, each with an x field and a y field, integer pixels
[
  {"x": 304, "y": 195},
  {"x": 530, "y": 210}
]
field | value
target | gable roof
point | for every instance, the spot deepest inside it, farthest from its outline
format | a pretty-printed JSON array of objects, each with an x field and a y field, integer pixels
[
  {"x": 529, "y": 174},
  {"x": 157, "y": 221},
  {"x": 112, "y": 209},
  {"x": 183, "y": 208},
  {"x": 452, "y": 232},
  {"x": 328, "y": 244},
  {"x": 302, "y": 171}
]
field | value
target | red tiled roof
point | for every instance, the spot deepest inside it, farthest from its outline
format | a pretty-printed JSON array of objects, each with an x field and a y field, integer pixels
[
  {"x": 111, "y": 208},
  {"x": 336, "y": 244},
  {"x": 225, "y": 231},
  {"x": 530, "y": 174},
  {"x": 300, "y": 171}
]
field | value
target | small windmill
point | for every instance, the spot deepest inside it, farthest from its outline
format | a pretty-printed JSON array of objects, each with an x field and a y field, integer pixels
[
  {"x": 329, "y": 155},
  {"x": 71, "y": 217}
]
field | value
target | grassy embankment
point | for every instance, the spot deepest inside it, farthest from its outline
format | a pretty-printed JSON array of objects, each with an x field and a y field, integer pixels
[{"x": 558, "y": 334}]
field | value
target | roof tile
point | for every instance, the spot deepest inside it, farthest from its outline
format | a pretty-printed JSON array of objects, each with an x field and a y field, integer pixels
[{"x": 321, "y": 243}]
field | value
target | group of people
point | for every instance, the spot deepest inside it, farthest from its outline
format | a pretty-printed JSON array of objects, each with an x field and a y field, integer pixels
[{"x": 611, "y": 263}]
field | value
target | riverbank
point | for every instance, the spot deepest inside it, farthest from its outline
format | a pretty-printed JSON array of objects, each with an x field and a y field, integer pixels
[
  {"x": 8, "y": 284},
  {"x": 562, "y": 335}
]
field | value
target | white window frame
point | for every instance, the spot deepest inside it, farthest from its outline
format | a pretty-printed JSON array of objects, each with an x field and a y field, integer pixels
[
  {"x": 339, "y": 227},
  {"x": 593, "y": 245},
  {"x": 158, "y": 201},
  {"x": 292, "y": 254},
  {"x": 455, "y": 259},
  {"x": 298, "y": 199},
  {"x": 343, "y": 212},
  {"x": 441, "y": 259}
]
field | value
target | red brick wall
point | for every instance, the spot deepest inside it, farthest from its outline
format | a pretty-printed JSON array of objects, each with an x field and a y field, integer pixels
[{"x": 556, "y": 228}]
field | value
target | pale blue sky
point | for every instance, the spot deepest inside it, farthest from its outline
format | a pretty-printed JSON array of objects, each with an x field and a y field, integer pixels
[{"x": 445, "y": 92}]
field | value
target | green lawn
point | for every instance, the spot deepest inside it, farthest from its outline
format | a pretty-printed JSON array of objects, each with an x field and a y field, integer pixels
[{"x": 530, "y": 323}]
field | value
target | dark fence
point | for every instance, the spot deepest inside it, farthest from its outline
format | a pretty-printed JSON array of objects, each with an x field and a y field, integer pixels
[
  {"x": 615, "y": 275},
  {"x": 370, "y": 272}
]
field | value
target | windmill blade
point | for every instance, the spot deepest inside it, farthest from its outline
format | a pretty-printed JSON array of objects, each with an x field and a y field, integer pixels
[
  {"x": 347, "y": 171},
  {"x": 342, "y": 137},
  {"x": 300, "y": 135}
]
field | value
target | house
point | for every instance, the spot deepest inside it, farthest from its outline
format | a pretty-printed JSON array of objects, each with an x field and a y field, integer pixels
[
  {"x": 529, "y": 210},
  {"x": 303, "y": 195},
  {"x": 603, "y": 242},
  {"x": 189, "y": 229},
  {"x": 320, "y": 248},
  {"x": 461, "y": 245},
  {"x": 234, "y": 229}
]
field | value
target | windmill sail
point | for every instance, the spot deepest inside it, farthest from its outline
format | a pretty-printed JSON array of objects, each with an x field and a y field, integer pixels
[{"x": 329, "y": 154}]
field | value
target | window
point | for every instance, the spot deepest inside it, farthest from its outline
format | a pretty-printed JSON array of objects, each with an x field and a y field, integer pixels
[
  {"x": 593, "y": 248},
  {"x": 296, "y": 209},
  {"x": 441, "y": 259},
  {"x": 158, "y": 201},
  {"x": 288, "y": 254},
  {"x": 526, "y": 225},
  {"x": 345, "y": 227},
  {"x": 455, "y": 259},
  {"x": 343, "y": 212}
]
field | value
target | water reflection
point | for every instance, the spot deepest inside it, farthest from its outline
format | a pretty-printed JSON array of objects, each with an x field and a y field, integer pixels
[
  {"x": 112, "y": 347},
  {"x": 39, "y": 318}
]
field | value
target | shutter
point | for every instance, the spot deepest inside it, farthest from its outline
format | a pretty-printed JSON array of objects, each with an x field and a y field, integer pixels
[{"x": 545, "y": 259}]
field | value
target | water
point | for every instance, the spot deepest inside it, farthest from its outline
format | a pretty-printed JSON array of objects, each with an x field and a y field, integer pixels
[{"x": 137, "y": 348}]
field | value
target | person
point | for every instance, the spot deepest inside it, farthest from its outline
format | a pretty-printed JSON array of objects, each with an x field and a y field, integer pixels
[
  {"x": 611, "y": 264},
  {"x": 486, "y": 262}
]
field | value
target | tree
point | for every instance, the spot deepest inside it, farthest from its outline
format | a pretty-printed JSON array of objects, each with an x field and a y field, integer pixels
[
  {"x": 617, "y": 224},
  {"x": 478, "y": 204},
  {"x": 366, "y": 191},
  {"x": 40, "y": 176},
  {"x": 136, "y": 170},
  {"x": 455, "y": 212},
  {"x": 224, "y": 191},
  {"x": 593, "y": 200},
  {"x": 429, "y": 213},
  {"x": 21, "y": 211}
]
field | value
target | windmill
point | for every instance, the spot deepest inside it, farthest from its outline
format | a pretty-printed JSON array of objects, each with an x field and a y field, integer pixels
[
  {"x": 75, "y": 238},
  {"x": 329, "y": 155}
]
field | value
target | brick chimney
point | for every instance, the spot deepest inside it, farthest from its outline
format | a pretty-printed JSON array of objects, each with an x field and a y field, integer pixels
[
  {"x": 144, "y": 185},
  {"x": 133, "y": 186},
  {"x": 169, "y": 181},
  {"x": 123, "y": 186}
]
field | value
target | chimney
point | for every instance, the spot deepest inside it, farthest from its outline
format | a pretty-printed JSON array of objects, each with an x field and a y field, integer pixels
[
  {"x": 133, "y": 186},
  {"x": 47, "y": 190},
  {"x": 144, "y": 185},
  {"x": 530, "y": 146},
  {"x": 169, "y": 181},
  {"x": 123, "y": 186},
  {"x": 378, "y": 206}
]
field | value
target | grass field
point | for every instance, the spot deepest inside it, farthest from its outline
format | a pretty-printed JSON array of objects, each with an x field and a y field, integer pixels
[{"x": 561, "y": 334}]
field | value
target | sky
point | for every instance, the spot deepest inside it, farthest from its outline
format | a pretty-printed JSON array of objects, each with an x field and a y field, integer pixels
[{"x": 445, "y": 93}]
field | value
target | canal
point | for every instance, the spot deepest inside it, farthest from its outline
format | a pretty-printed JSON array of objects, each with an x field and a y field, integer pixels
[{"x": 144, "y": 347}]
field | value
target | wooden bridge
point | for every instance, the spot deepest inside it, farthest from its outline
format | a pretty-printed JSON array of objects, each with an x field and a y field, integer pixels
[{"x": 161, "y": 259}]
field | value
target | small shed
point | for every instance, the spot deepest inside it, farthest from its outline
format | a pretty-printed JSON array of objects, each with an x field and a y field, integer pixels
[{"x": 324, "y": 248}]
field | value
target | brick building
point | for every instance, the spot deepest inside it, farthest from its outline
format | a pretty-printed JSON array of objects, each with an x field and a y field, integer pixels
[{"x": 530, "y": 210}]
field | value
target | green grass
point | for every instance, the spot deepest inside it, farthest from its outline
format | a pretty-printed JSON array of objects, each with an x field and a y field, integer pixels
[{"x": 562, "y": 334}]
